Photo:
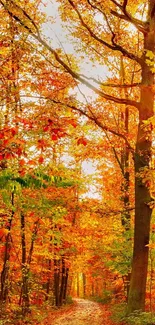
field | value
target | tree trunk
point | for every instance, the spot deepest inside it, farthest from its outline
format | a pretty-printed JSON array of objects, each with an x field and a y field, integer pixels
[
  {"x": 84, "y": 284},
  {"x": 96, "y": 288},
  {"x": 5, "y": 269},
  {"x": 62, "y": 288},
  {"x": 56, "y": 281},
  {"x": 78, "y": 286},
  {"x": 93, "y": 294},
  {"x": 143, "y": 211},
  {"x": 125, "y": 216},
  {"x": 64, "y": 281},
  {"x": 126, "y": 281},
  {"x": 66, "y": 284},
  {"x": 25, "y": 270},
  {"x": 48, "y": 280},
  {"x": 125, "y": 188}
]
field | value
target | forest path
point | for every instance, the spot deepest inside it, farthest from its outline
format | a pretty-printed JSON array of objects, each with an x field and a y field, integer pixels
[{"x": 84, "y": 312}]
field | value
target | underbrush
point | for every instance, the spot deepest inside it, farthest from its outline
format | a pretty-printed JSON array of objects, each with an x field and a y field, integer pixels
[
  {"x": 120, "y": 317},
  {"x": 106, "y": 298},
  {"x": 69, "y": 300},
  {"x": 38, "y": 314}
]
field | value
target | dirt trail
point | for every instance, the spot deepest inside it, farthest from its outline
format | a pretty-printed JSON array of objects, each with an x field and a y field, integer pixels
[{"x": 84, "y": 313}]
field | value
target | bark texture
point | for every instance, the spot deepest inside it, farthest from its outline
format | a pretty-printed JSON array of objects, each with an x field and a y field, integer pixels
[
  {"x": 143, "y": 211},
  {"x": 25, "y": 270}
]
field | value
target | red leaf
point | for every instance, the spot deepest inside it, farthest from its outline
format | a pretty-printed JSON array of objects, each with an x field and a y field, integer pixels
[
  {"x": 1, "y": 156},
  {"x": 2, "y": 249},
  {"x": 62, "y": 134},
  {"x": 22, "y": 172},
  {"x": 8, "y": 155},
  {"x": 50, "y": 121},
  {"x": 82, "y": 141},
  {"x": 45, "y": 128},
  {"x": 19, "y": 152},
  {"x": 54, "y": 137},
  {"x": 14, "y": 131},
  {"x": 31, "y": 162},
  {"x": 55, "y": 131},
  {"x": 6, "y": 141},
  {"x": 73, "y": 123},
  {"x": 41, "y": 144},
  {"x": 41, "y": 159},
  {"x": 22, "y": 162}
]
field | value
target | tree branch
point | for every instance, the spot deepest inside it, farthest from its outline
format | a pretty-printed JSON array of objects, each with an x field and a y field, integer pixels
[
  {"x": 117, "y": 4},
  {"x": 102, "y": 12},
  {"x": 106, "y": 212},
  {"x": 25, "y": 14},
  {"x": 93, "y": 118},
  {"x": 115, "y": 47},
  {"x": 68, "y": 68},
  {"x": 135, "y": 84},
  {"x": 107, "y": 84},
  {"x": 139, "y": 24},
  {"x": 115, "y": 154},
  {"x": 125, "y": 4}
]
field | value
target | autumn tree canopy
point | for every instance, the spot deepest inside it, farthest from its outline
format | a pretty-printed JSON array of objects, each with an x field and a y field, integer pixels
[{"x": 44, "y": 195}]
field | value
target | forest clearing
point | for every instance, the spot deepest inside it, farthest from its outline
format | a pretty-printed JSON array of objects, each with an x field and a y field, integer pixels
[{"x": 77, "y": 162}]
